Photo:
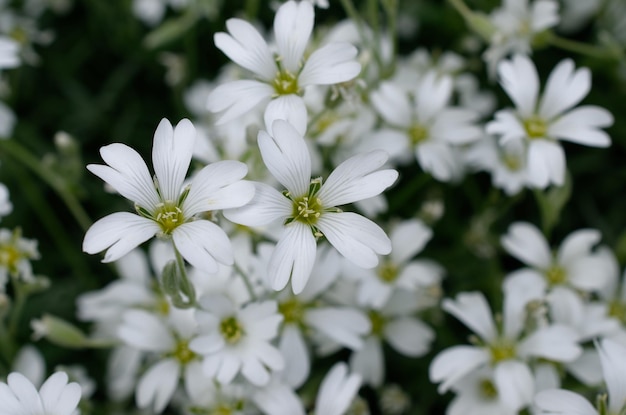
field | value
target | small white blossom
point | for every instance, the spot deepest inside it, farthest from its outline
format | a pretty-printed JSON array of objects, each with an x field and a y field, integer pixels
[
  {"x": 308, "y": 209},
  {"x": 166, "y": 207},
  {"x": 280, "y": 77},
  {"x": 540, "y": 121}
]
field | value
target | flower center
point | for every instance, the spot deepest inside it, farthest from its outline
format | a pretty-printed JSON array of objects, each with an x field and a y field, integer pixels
[
  {"x": 378, "y": 322},
  {"x": 307, "y": 208},
  {"x": 488, "y": 389},
  {"x": 417, "y": 133},
  {"x": 556, "y": 275},
  {"x": 169, "y": 216},
  {"x": 285, "y": 83},
  {"x": 231, "y": 329},
  {"x": 513, "y": 163},
  {"x": 9, "y": 256},
  {"x": 182, "y": 353},
  {"x": 617, "y": 310},
  {"x": 292, "y": 311},
  {"x": 388, "y": 272},
  {"x": 535, "y": 127},
  {"x": 502, "y": 350}
]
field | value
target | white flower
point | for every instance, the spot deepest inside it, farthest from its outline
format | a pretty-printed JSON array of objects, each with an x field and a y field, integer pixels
[
  {"x": 55, "y": 397},
  {"x": 508, "y": 349},
  {"x": 559, "y": 401},
  {"x": 15, "y": 255},
  {"x": 541, "y": 121},
  {"x": 477, "y": 394},
  {"x": 9, "y": 49},
  {"x": 146, "y": 332},
  {"x": 308, "y": 208},
  {"x": 516, "y": 24},
  {"x": 237, "y": 340},
  {"x": 426, "y": 125},
  {"x": 575, "y": 265},
  {"x": 395, "y": 323},
  {"x": 399, "y": 271},
  {"x": 283, "y": 76},
  {"x": 165, "y": 207}
]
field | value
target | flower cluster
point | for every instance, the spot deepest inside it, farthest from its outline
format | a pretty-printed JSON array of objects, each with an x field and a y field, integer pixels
[{"x": 287, "y": 248}]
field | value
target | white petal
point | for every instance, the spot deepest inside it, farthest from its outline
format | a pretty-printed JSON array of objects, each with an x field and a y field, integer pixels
[
  {"x": 355, "y": 237},
  {"x": 11, "y": 405},
  {"x": 452, "y": 364},
  {"x": 344, "y": 325},
  {"x": 218, "y": 186},
  {"x": 234, "y": 99},
  {"x": 127, "y": 173},
  {"x": 247, "y": 48},
  {"x": 356, "y": 179},
  {"x": 287, "y": 157},
  {"x": 293, "y": 24},
  {"x": 613, "y": 359},
  {"x": 297, "y": 359},
  {"x": 25, "y": 393},
  {"x": 202, "y": 243},
  {"x": 456, "y": 126},
  {"x": 514, "y": 383},
  {"x": 581, "y": 125},
  {"x": 293, "y": 258},
  {"x": 278, "y": 399},
  {"x": 507, "y": 125},
  {"x": 439, "y": 160},
  {"x": 289, "y": 108},
  {"x": 331, "y": 64},
  {"x": 556, "y": 342},
  {"x": 145, "y": 331},
  {"x": 526, "y": 243},
  {"x": 171, "y": 155},
  {"x": 229, "y": 368},
  {"x": 207, "y": 344},
  {"x": 472, "y": 309},
  {"x": 409, "y": 336},
  {"x": 58, "y": 396},
  {"x": 577, "y": 244},
  {"x": 369, "y": 362},
  {"x": 564, "y": 89},
  {"x": 546, "y": 163},
  {"x": 120, "y": 232},
  {"x": 156, "y": 387},
  {"x": 409, "y": 238},
  {"x": 519, "y": 79},
  {"x": 337, "y": 391},
  {"x": 563, "y": 402},
  {"x": 520, "y": 287},
  {"x": 433, "y": 94},
  {"x": 392, "y": 104},
  {"x": 267, "y": 205}
]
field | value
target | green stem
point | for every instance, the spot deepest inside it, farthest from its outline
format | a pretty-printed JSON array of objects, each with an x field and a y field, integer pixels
[
  {"x": 246, "y": 281},
  {"x": 584, "y": 48},
  {"x": 16, "y": 311},
  {"x": 391, "y": 9},
  {"x": 22, "y": 155},
  {"x": 7, "y": 347},
  {"x": 186, "y": 286},
  {"x": 462, "y": 8}
]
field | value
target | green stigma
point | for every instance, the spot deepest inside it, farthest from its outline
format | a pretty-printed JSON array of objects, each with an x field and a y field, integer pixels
[
  {"x": 285, "y": 83},
  {"x": 417, "y": 134}
]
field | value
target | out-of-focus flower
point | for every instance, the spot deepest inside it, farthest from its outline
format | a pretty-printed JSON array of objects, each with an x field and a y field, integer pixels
[{"x": 539, "y": 122}]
